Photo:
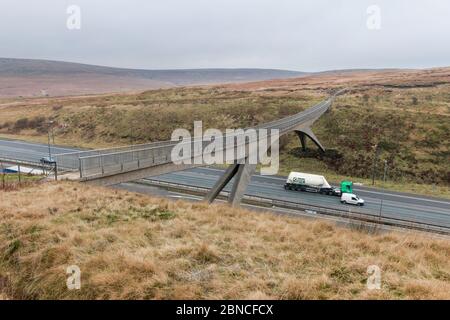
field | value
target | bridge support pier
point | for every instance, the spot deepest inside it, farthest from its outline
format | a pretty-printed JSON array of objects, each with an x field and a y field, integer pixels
[
  {"x": 242, "y": 180},
  {"x": 242, "y": 174},
  {"x": 307, "y": 132},
  {"x": 302, "y": 138},
  {"x": 223, "y": 181}
]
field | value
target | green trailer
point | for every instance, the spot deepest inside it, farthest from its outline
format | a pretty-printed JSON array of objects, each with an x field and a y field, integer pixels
[{"x": 346, "y": 187}]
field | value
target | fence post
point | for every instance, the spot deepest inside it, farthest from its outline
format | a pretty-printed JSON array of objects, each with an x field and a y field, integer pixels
[
  {"x": 18, "y": 170},
  {"x": 101, "y": 164},
  {"x": 381, "y": 210},
  {"x": 79, "y": 167},
  {"x": 3, "y": 176}
]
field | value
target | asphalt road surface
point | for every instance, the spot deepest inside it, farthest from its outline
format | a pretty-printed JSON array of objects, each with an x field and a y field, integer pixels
[
  {"x": 389, "y": 204},
  {"x": 28, "y": 151}
]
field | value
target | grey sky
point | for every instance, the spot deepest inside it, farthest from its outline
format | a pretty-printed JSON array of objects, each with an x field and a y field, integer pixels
[{"x": 287, "y": 34}]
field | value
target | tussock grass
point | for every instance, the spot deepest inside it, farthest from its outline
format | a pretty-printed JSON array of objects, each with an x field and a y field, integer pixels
[
  {"x": 130, "y": 246},
  {"x": 10, "y": 181}
]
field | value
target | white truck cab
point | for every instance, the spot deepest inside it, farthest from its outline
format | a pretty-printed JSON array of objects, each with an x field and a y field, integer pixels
[{"x": 350, "y": 198}]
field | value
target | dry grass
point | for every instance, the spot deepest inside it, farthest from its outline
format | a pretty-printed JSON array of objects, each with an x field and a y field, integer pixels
[
  {"x": 133, "y": 246},
  {"x": 405, "y": 112}
]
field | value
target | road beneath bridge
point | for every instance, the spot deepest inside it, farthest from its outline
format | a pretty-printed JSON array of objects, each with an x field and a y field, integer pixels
[{"x": 395, "y": 204}]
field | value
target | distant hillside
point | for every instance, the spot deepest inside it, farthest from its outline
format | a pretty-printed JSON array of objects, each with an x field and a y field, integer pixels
[{"x": 25, "y": 77}]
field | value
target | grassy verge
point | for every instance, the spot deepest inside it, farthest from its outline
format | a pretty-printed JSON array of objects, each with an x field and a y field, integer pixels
[{"x": 130, "y": 246}]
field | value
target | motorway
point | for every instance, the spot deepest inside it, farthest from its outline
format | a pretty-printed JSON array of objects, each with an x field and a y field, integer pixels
[
  {"x": 28, "y": 151},
  {"x": 390, "y": 204}
]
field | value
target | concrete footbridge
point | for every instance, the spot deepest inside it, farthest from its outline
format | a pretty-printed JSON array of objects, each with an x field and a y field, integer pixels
[{"x": 123, "y": 164}]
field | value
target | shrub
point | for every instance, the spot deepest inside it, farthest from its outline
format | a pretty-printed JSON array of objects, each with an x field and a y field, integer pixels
[{"x": 21, "y": 124}]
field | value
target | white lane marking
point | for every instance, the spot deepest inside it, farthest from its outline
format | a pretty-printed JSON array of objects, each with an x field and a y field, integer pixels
[
  {"x": 407, "y": 197},
  {"x": 185, "y": 197}
]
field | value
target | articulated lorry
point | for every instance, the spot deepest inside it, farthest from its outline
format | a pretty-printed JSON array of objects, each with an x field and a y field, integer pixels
[
  {"x": 299, "y": 181},
  {"x": 346, "y": 187}
]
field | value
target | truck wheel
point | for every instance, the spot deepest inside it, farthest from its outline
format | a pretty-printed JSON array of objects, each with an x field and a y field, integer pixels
[{"x": 343, "y": 202}]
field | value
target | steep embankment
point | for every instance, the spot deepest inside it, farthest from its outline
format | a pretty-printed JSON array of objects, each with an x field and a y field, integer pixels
[{"x": 130, "y": 246}]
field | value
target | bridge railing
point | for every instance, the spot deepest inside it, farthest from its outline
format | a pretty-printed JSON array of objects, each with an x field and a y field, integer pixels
[
  {"x": 71, "y": 160},
  {"x": 124, "y": 161},
  {"x": 102, "y": 162},
  {"x": 109, "y": 163}
]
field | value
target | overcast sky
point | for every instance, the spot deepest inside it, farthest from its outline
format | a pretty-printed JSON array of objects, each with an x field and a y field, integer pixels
[{"x": 286, "y": 34}]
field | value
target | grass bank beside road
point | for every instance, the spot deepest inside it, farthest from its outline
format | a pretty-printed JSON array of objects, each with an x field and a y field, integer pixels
[{"x": 130, "y": 246}]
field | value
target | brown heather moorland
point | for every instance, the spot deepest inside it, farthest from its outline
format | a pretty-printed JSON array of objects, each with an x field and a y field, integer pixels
[
  {"x": 405, "y": 112},
  {"x": 130, "y": 246}
]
